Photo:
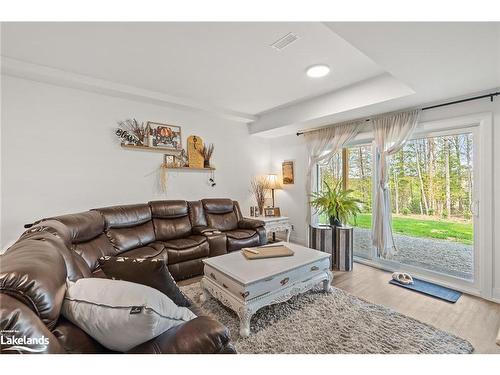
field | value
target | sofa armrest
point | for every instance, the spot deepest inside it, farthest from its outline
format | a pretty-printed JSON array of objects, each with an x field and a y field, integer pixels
[
  {"x": 250, "y": 224},
  {"x": 203, "y": 230},
  {"x": 202, "y": 335}
]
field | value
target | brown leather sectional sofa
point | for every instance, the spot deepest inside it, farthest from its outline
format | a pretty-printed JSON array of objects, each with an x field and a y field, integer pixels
[{"x": 33, "y": 271}]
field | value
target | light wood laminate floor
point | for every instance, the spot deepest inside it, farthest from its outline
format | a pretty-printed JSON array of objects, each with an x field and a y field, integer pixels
[{"x": 472, "y": 318}]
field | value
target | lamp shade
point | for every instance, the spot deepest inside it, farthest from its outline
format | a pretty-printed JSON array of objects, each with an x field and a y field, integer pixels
[{"x": 273, "y": 181}]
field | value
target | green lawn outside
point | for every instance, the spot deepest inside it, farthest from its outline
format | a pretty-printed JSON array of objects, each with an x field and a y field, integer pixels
[{"x": 441, "y": 229}]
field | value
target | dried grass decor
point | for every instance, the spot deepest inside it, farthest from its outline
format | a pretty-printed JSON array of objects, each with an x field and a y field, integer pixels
[
  {"x": 163, "y": 178},
  {"x": 207, "y": 152},
  {"x": 259, "y": 186}
]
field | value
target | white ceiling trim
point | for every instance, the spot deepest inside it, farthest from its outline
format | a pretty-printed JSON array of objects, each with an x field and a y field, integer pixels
[
  {"x": 40, "y": 73},
  {"x": 321, "y": 110}
]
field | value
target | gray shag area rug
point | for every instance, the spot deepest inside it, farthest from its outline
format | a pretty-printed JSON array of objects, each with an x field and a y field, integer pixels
[{"x": 338, "y": 323}]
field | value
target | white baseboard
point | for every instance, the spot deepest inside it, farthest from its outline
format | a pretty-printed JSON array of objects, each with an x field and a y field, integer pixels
[{"x": 496, "y": 295}]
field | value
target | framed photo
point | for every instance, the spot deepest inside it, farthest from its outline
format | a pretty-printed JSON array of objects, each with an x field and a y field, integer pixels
[
  {"x": 287, "y": 170},
  {"x": 272, "y": 211},
  {"x": 165, "y": 135}
]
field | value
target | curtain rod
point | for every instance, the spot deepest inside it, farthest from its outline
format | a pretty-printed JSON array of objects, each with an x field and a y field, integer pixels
[{"x": 491, "y": 96}]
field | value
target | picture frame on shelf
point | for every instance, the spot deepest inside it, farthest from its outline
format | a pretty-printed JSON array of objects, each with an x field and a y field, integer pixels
[
  {"x": 272, "y": 212},
  {"x": 165, "y": 136},
  {"x": 287, "y": 169}
]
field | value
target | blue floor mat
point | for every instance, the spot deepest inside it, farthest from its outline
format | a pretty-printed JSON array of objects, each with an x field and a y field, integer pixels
[{"x": 433, "y": 290}]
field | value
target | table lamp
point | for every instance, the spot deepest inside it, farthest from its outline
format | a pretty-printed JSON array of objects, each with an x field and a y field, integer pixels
[{"x": 273, "y": 183}]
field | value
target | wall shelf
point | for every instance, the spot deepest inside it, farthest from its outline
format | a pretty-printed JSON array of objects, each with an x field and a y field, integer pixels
[
  {"x": 159, "y": 150},
  {"x": 191, "y": 169},
  {"x": 165, "y": 151}
]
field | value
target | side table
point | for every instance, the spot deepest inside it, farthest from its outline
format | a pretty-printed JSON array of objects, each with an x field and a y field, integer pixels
[{"x": 275, "y": 224}]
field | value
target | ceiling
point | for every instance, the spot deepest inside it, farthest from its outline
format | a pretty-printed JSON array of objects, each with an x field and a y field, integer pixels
[
  {"x": 228, "y": 65},
  {"x": 230, "y": 68}
]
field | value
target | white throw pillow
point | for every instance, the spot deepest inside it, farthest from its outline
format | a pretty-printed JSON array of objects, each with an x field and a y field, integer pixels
[{"x": 119, "y": 314}]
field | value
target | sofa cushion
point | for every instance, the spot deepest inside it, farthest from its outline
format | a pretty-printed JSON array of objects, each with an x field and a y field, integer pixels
[
  {"x": 197, "y": 214},
  {"x": 187, "y": 269},
  {"x": 218, "y": 205},
  {"x": 168, "y": 209},
  {"x": 125, "y": 216},
  {"x": 83, "y": 226},
  {"x": 34, "y": 272},
  {"x": 149, "y": 272},
  {"x": 76, "y": 267},
  {"x": 128, "y": 238},
  {"x": 240, "y": 233},
  {"x": 92, "y": 250},
  {"x": 74, "y": 340},
  {"x": 17, "y": 320},
  {"x": 234, "y": 243},
  {"x": 188, "y": 248},
  {"x": 185, "y": 243},
  {"x": 202, "y": 335},
  {"x": 170, "y": 219},
  {"x": 153, "y": 250},
  {"x": 121, "y": 315}
]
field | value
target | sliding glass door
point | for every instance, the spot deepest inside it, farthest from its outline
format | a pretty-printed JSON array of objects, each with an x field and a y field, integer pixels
[{"x": 432, "y": 183}]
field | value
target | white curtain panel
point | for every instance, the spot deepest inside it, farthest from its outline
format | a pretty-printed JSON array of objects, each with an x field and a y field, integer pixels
[
  {"x": 322, "y": 144},
  {"x": 391, "y": 133}
]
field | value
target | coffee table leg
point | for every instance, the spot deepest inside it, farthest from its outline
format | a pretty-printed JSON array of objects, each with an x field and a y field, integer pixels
[
  {"x": 204, "y": 293},
  {"x": 245, "y": 314},
  {"x": 327, "y": 284}
]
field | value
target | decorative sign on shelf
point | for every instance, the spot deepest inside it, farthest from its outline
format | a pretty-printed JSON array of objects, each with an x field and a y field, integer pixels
[
  {"x": 163, "y": 136},
  {"x": 194, "y": 149}
]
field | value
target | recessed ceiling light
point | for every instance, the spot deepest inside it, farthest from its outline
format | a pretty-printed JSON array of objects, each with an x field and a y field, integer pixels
[{"x": 317, "y": 71}]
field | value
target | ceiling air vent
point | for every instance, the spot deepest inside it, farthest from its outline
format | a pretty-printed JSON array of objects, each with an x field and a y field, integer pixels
[{"x": 284, "y": 41}]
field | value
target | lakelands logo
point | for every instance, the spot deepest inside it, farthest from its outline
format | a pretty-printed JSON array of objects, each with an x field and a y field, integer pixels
[{"x": 11, "y": 343}]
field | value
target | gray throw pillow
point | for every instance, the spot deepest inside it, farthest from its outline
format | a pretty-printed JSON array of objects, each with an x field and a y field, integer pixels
[{"x": 119, "y": 314}]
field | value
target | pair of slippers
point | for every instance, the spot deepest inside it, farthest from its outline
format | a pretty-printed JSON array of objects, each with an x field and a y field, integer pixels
[{"x": 402, "y": 278}]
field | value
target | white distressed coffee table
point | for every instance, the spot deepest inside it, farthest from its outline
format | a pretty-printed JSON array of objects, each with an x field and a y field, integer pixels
[{"x": 245, "y": 285}]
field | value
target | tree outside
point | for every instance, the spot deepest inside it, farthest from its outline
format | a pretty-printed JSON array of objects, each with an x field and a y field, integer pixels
[{"x": 431, "y": 183}]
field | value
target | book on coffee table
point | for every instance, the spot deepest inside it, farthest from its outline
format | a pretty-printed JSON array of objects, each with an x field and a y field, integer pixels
[{"x": 266, "y": 252}]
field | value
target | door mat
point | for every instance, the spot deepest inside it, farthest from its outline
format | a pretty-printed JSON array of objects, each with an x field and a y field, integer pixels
[{"x": 430, "y": 289}]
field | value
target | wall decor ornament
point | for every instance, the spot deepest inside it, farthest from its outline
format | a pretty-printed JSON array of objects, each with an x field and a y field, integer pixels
[
  {"x": 288, "y": 172},
  {"x": 194, "y": 149},
  {"x": 164, "y": 136},
  {"x": 207, "y": 152}
]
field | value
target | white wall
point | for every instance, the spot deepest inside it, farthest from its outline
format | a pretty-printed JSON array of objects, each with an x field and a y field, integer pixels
[
  {"x": 59, "y": 154},
  {"x": 292, "y": 200}
]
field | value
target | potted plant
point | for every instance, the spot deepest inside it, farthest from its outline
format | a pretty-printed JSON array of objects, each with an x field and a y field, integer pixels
[{"x": 338, "y": 204}]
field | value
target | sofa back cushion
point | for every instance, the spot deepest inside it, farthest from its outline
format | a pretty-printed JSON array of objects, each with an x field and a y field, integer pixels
[
  {"x": 88, "y": 237},
  {"x": 33, "y": 271},
  {"x": 57, "y": 233},
  {"x": 220, "y": 214},
  {"x": 197, "y": 214},
  {"x": 170, "y": 219},
  {"x": 128, "y": 227}
]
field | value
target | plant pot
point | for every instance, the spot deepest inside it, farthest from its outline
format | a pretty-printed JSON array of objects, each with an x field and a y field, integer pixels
[
  {"x": 206, "y": 164},
  {"x": 335, "y": 222}
]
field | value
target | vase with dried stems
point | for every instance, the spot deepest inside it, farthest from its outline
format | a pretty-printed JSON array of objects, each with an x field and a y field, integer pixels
[
  {"x": 207, "y": 152},
  {"x": 259, "y": 185}
]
